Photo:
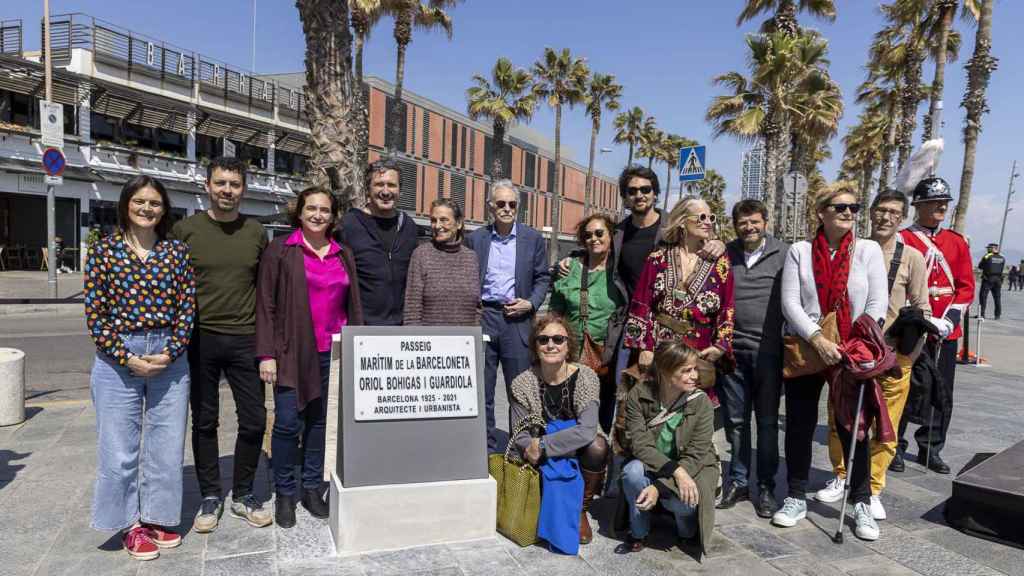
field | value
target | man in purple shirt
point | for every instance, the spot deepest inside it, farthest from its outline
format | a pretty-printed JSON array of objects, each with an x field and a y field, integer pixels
[{"x": 514, "y": 278}]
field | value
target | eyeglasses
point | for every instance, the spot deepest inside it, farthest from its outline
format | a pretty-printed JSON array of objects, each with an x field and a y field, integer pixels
[
  {"x": 599, "y": 233},
  {"x": 558, "y": 339},
  {"x": 501, "y": 204},
  {"x": 702, "y": 218},
  {"x": 840, "y": 208},
  {"x": 634, "y": 190},
  {"x": 888, "y": 213}
]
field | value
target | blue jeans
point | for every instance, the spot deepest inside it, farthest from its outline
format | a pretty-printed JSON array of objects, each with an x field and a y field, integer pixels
[
  {"x": 752, "y": 390},
  {"x": 288, "y": 423},
  {"x": 128, "y": 409},
  {"x": 634, "y": 480}
]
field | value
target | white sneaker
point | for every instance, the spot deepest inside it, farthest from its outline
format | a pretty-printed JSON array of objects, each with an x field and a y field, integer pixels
[
  {"x": 877, "y": 510},
  {"x": 792, "y": 511},
  {"x": 866, "y": 528},
  {"x": 832, "y": 492}
]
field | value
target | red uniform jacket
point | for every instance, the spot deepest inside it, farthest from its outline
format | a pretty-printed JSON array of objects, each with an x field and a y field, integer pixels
[{"x": 950, "y": 271}]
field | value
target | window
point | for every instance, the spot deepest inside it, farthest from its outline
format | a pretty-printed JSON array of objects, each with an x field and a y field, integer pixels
[
  {"x": 172, "y": 142},
  {"x": 426, "y": 134},
  {"x": 102, "y": 127},
  {"x": 458, "y": 192},
  {"x": 472, "y": 149},
  {"x": 454, "y": 158},
  {"x": 530, "y": 177},
  {"x": 407, "y": 185},
  {"x": 551, "y": 177},
  {"x": 462, "y": 159}
]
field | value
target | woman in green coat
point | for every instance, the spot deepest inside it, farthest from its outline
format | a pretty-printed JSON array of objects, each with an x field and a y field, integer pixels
[{"x": 669, "y": 424}]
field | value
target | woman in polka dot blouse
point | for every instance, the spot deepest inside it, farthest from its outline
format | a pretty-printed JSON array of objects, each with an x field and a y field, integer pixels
[{"x": 139, "y": 307}]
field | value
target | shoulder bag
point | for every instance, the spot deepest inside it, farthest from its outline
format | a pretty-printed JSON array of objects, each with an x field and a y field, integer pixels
[{"x": 518, "y": 489}]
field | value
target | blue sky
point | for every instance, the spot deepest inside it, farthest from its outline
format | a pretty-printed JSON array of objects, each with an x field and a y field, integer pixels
[{"x": 664, "y": 52}]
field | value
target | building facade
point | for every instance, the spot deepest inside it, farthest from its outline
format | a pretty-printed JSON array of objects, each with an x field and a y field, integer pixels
[
  {"x": 752, "y": 185},
  {"x": 136, "y": 105}
]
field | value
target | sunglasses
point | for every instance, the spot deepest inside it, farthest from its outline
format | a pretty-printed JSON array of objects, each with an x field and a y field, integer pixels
[
  {"x": 599, "y": 233},
  {"x": 558, "y": 339},
  {"x": 501, "y": 204},
  {"x": 840, "y": 208},
  {"x": 702, "y": 218},
  {"x": 634, "y": 190}
]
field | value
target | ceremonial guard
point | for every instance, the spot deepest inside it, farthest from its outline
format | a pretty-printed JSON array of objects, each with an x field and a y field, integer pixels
[{"x": 950, "y": 292}]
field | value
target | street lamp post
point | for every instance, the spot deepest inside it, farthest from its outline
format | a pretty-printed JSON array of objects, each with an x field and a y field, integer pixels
[
  {"x": 1009, "y": 193},
  {"x": 51, "y": 200}
]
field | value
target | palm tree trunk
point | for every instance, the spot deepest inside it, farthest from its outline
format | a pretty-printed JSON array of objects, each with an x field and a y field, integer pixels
[
  {"x": 556, "y": 192},
  {"x": 933, "y": 120},
  {"x": 650, "y": 162},
  {"x": 885, "y": 171},
  {"x": 403, "y": 35},
  {"x": 330, "y": 97},
  {"x": 911, "y": 98},
  {"x": 497, "y": 170},
  {"x": 979, "y": 69},
  {"x": 865, "y": 194},
  {"x": 770, "y": 177},
  {"x": 588, "y": 189},
  {"x": 363, "y": 113},
  {"x": 630, "y": 161}
]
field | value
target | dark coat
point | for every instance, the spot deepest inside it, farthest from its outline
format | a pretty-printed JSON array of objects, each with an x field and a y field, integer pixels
[
  {"x": 284, "y": 324},
  {"x": 866, "y": 358},
  {"x": 693, "y": 442},
  {"x": 532, "y": 275},
  {"x": 926, "y": 390},
  {"x": 382, "y": 269}
]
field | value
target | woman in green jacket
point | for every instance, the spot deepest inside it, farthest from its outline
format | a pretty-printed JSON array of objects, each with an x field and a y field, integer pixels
[{"x": 669, "y": 424}]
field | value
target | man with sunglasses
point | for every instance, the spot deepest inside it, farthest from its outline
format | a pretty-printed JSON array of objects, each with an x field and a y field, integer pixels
[
  {"x": 951, "y": 291},
  {"x": 754, "y": 387},
  {"x": 514, "y": 280}
]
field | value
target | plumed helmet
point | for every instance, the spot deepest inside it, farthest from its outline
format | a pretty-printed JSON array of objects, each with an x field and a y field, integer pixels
[{"x": 931, "y": 189}]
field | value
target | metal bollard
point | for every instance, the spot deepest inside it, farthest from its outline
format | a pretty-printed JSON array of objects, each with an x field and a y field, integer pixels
[
  {"x": 978, "y": 341},
  {"x": 12, "y": 386}
]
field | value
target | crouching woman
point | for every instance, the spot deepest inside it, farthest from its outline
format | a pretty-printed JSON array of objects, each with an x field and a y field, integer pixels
[{"x": 669, "y": 424}]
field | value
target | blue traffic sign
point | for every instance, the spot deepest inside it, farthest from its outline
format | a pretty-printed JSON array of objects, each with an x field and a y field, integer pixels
[
  {"x": 54, "y": 162},
  {"x": 691, "y": 163}
]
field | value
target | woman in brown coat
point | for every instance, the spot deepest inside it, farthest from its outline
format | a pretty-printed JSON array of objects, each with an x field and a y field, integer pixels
[
  {"x": 307, "y": 290},
  {"x": 669, "y": 424}
]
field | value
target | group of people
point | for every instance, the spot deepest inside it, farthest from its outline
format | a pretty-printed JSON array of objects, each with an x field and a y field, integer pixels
[{"x": 700, "y": 323}]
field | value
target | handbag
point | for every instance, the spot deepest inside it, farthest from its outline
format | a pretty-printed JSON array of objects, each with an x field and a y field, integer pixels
[
  {"x": 799, "y": 358},
  {"x": 518, "y": 490},
  {"x": 592, "y": 353}
]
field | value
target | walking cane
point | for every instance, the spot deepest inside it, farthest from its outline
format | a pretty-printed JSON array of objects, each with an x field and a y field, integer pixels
[{"x": 838, "y": 538}]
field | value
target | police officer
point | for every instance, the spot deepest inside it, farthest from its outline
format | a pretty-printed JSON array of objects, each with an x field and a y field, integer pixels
[
  {"x": 991, "y": 266},
  {"x": 950, "y": 292}
]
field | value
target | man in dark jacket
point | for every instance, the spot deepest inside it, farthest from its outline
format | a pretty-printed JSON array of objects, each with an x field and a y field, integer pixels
[
  {"x": 514, "y": 281},
  {"x": 757, "y": 261},
  {"x": 382, "y": 238},
  {"x": 991, "y": 266}
]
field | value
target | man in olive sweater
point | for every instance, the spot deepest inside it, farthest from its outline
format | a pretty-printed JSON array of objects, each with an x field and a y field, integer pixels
[
  {"x": 755, "y": 385},
  {"x": 225, "y": 247}
]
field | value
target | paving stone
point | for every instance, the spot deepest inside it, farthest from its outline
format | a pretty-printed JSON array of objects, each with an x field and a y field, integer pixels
[
  {"x": 1007, "y": 559},
  {"x": 926, "y": 557},
  {"x": 401, "y": 562},
  {"x": 352, "y": 566},
  {"x": 21, "y": 552},
  {"x": 805, "y": 566},
  {"x": 873, "y": 565},
  {"x": 173, "y": 562},
  {"x": 741, "y": 565},
  {"x": 539, "y": 560},
  {"x": 766, "y": 545},
  {"x": 309, "y": 539},
  {"x": 261, "y": 564},
  {"x": 820, "y": 545},
  {"x": 485, "y": 560},
  {"x": 107, "y": 563},
  {"x": 234, "y": 536}
]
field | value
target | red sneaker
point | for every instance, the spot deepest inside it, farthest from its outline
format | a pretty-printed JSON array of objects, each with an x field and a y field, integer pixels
[
  {"x": 162, "y": 537},
  {"x": 139, "y": 545}
]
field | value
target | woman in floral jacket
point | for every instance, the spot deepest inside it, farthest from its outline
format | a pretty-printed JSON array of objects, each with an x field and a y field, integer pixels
[{"x": 682, "y": 297}]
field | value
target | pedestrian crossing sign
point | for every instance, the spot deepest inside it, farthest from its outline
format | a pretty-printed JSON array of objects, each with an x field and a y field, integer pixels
[{"x": 691, "y": 163}]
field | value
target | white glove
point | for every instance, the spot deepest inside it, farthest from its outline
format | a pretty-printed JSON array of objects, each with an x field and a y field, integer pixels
[{"x": 945, "y": 327}]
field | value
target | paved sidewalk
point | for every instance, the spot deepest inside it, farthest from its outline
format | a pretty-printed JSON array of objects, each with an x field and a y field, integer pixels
[{"x": 47, "y": 468}]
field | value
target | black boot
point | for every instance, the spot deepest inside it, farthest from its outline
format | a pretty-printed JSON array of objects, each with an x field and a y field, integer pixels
[
  {"x": 733, "y": 494},
  {"x": 312, "y": 501},
  {"x": 897, "y": 464},
  {"x": 284, "y": 511},
  {"x": 934, "y": 463},
  {"x": 766, "y": 504}
]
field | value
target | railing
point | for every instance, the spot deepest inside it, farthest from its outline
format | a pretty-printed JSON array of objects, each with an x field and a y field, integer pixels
[{"x": 10, "y": 37}]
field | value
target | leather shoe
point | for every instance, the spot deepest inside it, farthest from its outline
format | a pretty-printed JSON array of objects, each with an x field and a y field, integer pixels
[
  {"x": 630, "y": 546},
  {"x": 766, "y": 504},
  {"x": 314, "y": 503},
  {"x": 732, "y": 495},
  {"x": 897, "y": 464},
  {"x": 284, "y": 511},
  {"x": 935, "y": 464}
]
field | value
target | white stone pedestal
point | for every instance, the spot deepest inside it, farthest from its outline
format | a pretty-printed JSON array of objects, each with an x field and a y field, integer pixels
[
  {"x": 12, "y": 386},
  {"x": 375, "y": 518}
]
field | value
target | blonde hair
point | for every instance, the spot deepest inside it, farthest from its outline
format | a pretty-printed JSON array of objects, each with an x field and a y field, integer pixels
[
  {"x": 675, "y": 229},
  {"x": 833, "y": 191},
  {"x": 670, "y": 356}
]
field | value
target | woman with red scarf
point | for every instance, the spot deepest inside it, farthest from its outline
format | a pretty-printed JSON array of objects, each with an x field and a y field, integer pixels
[{"x": 833, "y": 272}]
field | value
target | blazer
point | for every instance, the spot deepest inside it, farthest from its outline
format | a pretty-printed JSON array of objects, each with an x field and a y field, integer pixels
[
  {"x": 533, "y": 278},
  {"x": 284, "y": 323}
]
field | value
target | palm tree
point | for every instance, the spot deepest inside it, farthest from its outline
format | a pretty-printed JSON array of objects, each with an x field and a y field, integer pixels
[
  {"x": 863, "y": 145},
  {"x": 365, "y": 15},
  {"x": 330, "y": 97},
  {"x": 602, "y": 92},
  {"x": 628, "y": 125},
  {"x": 560, "y": 79},
  {"x": 650, "y": 141},
  {"x": 817, "y": 106},
  {"x": 409, "y": 13},
  {"x": 941, "y": 12},
  {"x": 979, "y": 70},
  {"x": 505, "y": 99},
  {"x": 881, "y": 93},
  {"x": 784, "y": 13},
  {"x": 668, "y": 152}
]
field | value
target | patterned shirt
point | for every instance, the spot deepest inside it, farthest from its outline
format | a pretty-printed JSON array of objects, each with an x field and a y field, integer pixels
[{"x": 124, "y": 294}]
